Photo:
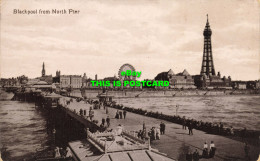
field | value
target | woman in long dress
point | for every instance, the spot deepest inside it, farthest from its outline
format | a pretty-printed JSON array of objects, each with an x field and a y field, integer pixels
[
  {"x": 57, "y": 152},
  {"x": 205, "y": 150}
]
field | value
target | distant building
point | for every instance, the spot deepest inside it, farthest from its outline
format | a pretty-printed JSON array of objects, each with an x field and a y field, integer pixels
[
  {"x": 212, "y": 81},
  {"x": 44, "y": 77},
  {"x": 68, "y": 81},
  {"x": 258, "y": 84},
  {"x": 111, "y": 80},
  {"x": 181, "y": 80},
  {"x": 239, "y": 84},
  {"x": 76, "y": 81},
  {"x": 208, "y": 77},
  {"x": 252, "y": 84},
  {"x": 64, "y": 81},
  {"x": 32, "y": 82},
  {"x": 84, "y": 80}
]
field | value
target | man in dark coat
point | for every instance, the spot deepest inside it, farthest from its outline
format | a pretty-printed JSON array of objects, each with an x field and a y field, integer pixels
[
  {"x": 120, "y": 114},
  {"x": 108, "y": 121},
  {"x": 196, "y": 156},
  {"x": 103, "y": 121},
  {"x": 162, "y": 128},
  {"x": 189, "y": 156},
  {"x": 117, "y": 114},
  {"x": 190, "y": 127},
  {"x": 184, "y": 122},
  {"x": 124, "y": 113}
]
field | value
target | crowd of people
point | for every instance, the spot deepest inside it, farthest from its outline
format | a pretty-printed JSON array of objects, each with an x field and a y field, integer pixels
[
  {"x": 193, "y": 156},
  {"x": 207, "y": 152},
  {"x": 120, "y": 114},
  {"x": 209, "y": 127},
  {"x": 62, "y": 153},
  {"x": 154, "y": 133}
]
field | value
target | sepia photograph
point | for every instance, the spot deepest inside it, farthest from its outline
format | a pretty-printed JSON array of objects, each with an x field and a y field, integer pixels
[{"x": 129, "y": 80}]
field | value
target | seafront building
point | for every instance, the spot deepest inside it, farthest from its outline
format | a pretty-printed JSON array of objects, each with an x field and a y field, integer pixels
[
  {"x": 68, "y": 81},
  {"x": 181, "y": 80},
  {"x": 239, "y": 84}
]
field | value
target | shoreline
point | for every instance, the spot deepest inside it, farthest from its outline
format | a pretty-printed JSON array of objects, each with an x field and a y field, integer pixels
[{"x": 162, "y": 93}]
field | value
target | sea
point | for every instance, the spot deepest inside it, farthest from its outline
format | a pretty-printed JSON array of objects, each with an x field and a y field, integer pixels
[
  {"x": 238, "y": 111},
  {"x": 23, "y": 128}
]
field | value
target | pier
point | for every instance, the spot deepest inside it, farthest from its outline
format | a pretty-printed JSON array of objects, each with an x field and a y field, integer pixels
[{"x": 176, "y": 141}]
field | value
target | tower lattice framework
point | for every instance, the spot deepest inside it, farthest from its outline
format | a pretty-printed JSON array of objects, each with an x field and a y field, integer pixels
[{"x": 207, "y": 67}]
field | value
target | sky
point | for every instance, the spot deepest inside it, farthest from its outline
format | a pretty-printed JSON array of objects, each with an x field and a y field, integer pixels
[{"x": 151, "y": 35}]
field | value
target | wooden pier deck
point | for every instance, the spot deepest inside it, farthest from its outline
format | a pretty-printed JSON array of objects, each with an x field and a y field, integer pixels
[{"x": 176, "y": 141}]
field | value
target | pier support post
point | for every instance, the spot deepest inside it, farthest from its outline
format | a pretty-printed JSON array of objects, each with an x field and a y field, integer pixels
[
  {"x": 105, "y": 149},
  {"x": 149, "y": 143}
]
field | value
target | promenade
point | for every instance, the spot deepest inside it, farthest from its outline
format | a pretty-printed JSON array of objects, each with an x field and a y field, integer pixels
[{"x": 176, "y": 142}]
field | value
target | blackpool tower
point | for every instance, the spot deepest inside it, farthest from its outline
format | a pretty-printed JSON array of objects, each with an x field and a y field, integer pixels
[{"x": 207, "y": 67}]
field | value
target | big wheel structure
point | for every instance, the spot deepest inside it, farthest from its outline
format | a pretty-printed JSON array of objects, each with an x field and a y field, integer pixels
[{"x": 124, "y": 68}]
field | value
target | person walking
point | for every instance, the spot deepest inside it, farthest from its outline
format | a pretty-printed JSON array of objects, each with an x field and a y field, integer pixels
[
  {"x": 190, "y": 127},
  {"x": 80, "y": 112},
  {"x": 124, "y": 113},
  {"x": 162, "y": 128},
  {"x": 139, "y": 134},
  {"x": 91, "y": 113},
  {"x": 120, "y": 114},
  {"x": 205, "y": 150},
  {"x": 103, "y": 121},
  {"x": 57, "y": 152},
  {"x": 183, "y": 123},
  {"x": 158, "y": 134},
  {"x": 189, "y": 156},
  {"x": 108, "y": 121},
  {"x": 68, "y": 153},
  {"x": 196, "y": 155},
  {"x": 117, "y": 114},
  {"x": 212, "y": 149},
  {"x": 153, "y": 133},
  {"x": 231, "y": 131},
  {"x": 144, "y": 134},
  {"x": 106, "y": 110}
]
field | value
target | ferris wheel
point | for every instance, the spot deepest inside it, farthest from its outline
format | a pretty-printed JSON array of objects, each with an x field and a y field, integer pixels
[{"x": 124, "y": 68}]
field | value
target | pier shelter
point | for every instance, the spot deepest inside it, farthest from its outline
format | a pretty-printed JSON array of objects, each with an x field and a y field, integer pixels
[
  {"x": 52, "y": 99},
  {"x": 104, "y": 97},
  {"x": 111, "y": 146}
]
